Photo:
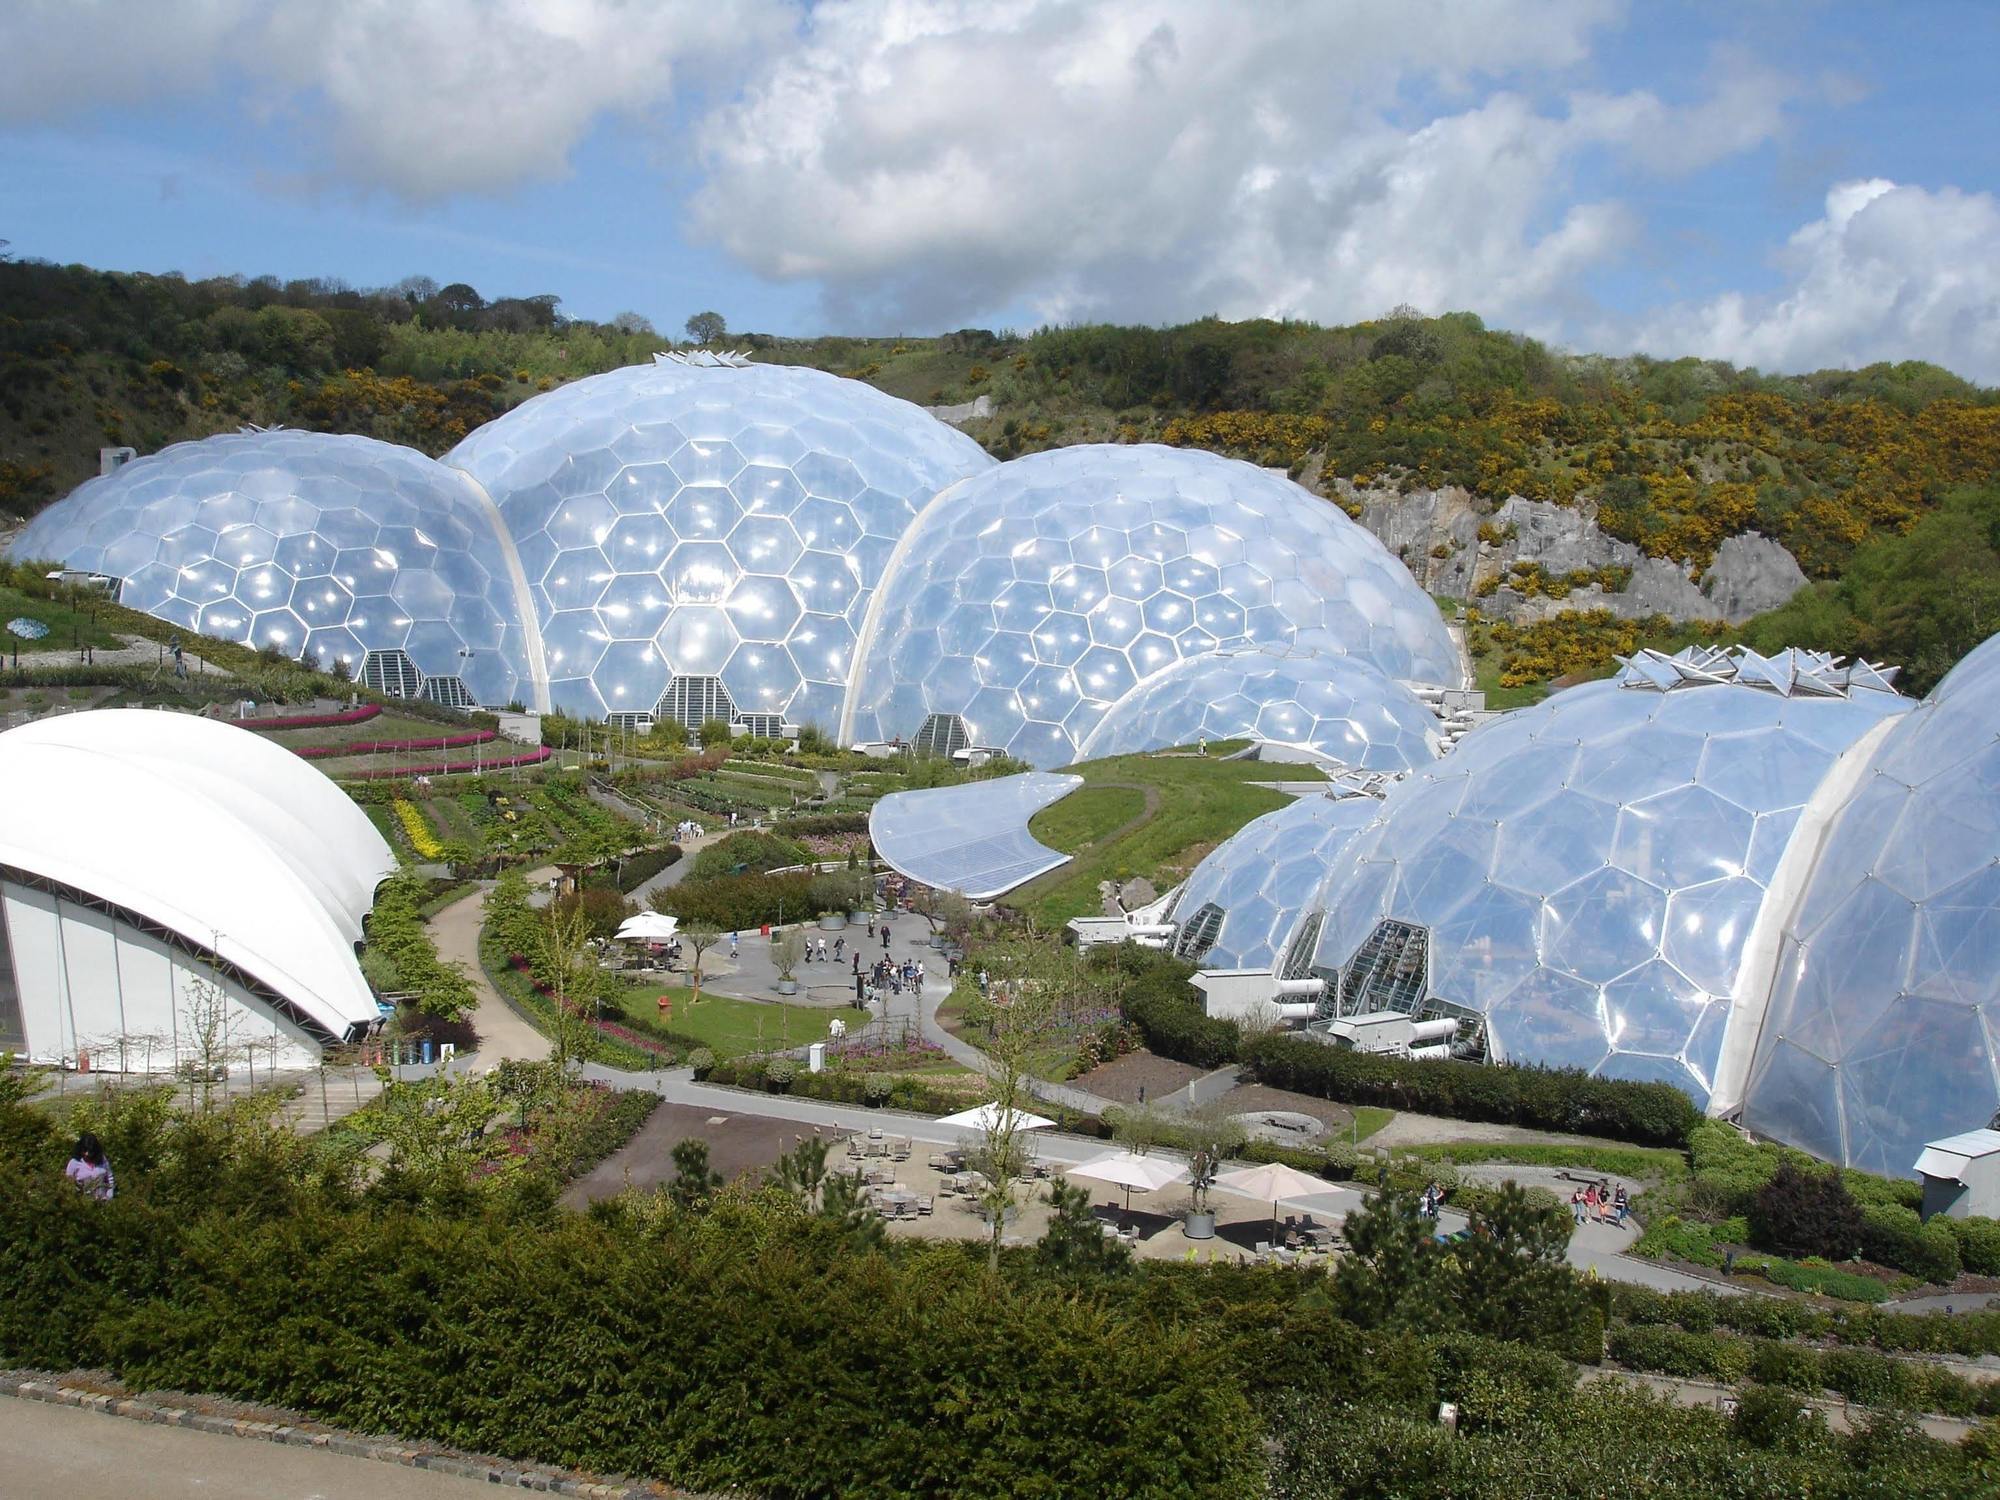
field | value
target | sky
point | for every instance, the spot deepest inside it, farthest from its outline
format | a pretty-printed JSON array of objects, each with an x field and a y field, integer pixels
[{"x": 1787, "y": 185}]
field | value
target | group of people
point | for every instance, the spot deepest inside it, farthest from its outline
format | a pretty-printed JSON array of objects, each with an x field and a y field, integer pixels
[
  {"x": 687, "y": 829},
  {"x": 1431, "y": 1201},
  {"x": 887, "y": 975},
  {"x": 1596, "y": 1202},
  {"x": 817, "y": 951}
]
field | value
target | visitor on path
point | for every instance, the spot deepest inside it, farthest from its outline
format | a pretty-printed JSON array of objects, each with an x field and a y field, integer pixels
[
  {"x": 1620, "y": 1206},
  {"x": 1576, "y": 1206},
  {"x": 732, "y": 945},
  {"x": 871, "y": 928},
  {"x": 1590, "y": 1201},
  {"x": 839, "y": 949},
  {"x": 885, "y": 937},
  {"x": 857, "y": 958},
  {"x": 89, "y": 1170}
]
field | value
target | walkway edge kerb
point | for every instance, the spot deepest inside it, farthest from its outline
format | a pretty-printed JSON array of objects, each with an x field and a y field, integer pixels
[{"x": 382, "y": 1450}]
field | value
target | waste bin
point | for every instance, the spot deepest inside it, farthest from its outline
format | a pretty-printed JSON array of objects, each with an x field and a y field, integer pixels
[{"x": 816, "y": 1058}]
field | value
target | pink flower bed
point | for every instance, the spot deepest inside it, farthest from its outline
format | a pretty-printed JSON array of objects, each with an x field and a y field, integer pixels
[
  {"x": 359, "y": 715},
  {"x": 391, "y": 747},
  {"x": 532, "y": 757}
]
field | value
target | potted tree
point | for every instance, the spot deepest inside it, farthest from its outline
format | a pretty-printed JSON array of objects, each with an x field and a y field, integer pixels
[
  {"x": 788, "y": 950},
  {"x": 1211, "y": 1139}
]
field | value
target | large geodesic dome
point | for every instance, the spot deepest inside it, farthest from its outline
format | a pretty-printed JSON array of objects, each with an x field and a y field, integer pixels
[
  {"x": 1884, "y": 1023},
  {"x": 1030, "y": 598},
  {"x": 1337, "y": 709},
  {"x": 355, "y": 551},
  {"x": 1582, "y": 877},
  {"x": 709, "y": 525},
  {"x": 1249, "y": 904}
]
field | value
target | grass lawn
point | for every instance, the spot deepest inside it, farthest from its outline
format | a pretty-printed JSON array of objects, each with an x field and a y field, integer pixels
[
  {"x": 384, "y": 726},
  {"x": 1087, "y": 815},
  {"x": 1369, "y": 1118},
  {"x": 730, "y": 1027},
  {"x": 1186, "y": 805},
  {"x": 67, "y": 627}
]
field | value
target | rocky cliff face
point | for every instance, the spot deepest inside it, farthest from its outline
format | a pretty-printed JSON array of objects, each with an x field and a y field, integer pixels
[{"x": 1437, "y": 533}]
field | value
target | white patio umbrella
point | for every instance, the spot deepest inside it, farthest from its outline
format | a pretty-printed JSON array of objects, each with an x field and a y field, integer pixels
[
  {"x": 648, "y": 927},
  {"x": 1273, "y": 1182},
  {"x": 1128, "y": 1169},
  {"x": 988, "y": 1116}
]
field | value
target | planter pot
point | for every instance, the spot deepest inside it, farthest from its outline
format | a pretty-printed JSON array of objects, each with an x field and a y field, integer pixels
[
  {"x": 786, "y": 986},
  {"x": 832, "y": 921},
  {"x": 857, "y": 918},
  {"x": 940, "y": 941},
  {"x": 1199, "y": 1226}
]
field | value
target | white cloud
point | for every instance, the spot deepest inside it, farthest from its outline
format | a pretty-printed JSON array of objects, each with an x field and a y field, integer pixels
[
  {"x": 426, "y": 98},
  {"x": 1889, "y": 272},
  {"x": 1156, "y": 159}
]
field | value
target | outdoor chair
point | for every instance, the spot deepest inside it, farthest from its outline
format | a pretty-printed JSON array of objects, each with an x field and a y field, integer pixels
[
  {"x": 924, "y": 1204},
  {"x": 902, "y": 1151},
  {"x": 940, "y": 1162},
  {"x": 1263, "y": 1248}
]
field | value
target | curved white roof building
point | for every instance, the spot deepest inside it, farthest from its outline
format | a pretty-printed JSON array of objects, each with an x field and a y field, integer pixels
[{"x": 161, "y": 855}]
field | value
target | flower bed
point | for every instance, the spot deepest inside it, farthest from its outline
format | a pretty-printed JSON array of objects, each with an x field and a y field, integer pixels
[
  {"x": 391, "y": 747},
  {"x": 359, "y": 715},
  {"x": 417, "y": 829},
  {"x": 532, "y": 757}
]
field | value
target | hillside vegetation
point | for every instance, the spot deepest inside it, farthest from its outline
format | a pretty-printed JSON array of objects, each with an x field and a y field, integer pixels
[{"x": 1843, "y": 467}]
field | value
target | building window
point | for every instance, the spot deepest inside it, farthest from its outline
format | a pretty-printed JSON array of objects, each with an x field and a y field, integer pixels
[
  {"x": 1389, "y": 973},
  {"x": 942, "y": 735},
  {"x": 392, "y": 674},
  {"x": 1199, "y": 932},
  {"x": 692, "y": 701},
  {"x": 449, "y": 691}
]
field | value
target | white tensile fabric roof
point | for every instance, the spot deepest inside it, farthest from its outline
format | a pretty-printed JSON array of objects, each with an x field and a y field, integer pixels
[
  {"x": 308, "y": 821},
  {"x": 181, "y": 824}
]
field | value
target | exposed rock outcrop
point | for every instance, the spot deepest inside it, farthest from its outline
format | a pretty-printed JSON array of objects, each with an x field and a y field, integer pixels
[{"x": 1437, "y": 533}]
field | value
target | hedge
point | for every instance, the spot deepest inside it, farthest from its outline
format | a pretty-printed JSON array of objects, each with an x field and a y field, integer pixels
[
  {"x": 643, "y": 866},
  {"x": 532, "y": 757},
  {"x": 694, "y": 1354},
  {"x": 820, "y": 823},
  {"x": 1967, "y": 1335},
  {"x": 1654, "y": 1114},
  {"x": 1861, "y": 1375},
  {"x": 393, "y": 747},
  {"x": 731, "y": 903}
]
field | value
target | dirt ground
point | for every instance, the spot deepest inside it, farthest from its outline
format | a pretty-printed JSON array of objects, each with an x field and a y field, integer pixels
[
  {"x": 1246, "y": 1098},
  {"x": 737, "y": 1143},
  {"x": 1122, "y": 1078}
]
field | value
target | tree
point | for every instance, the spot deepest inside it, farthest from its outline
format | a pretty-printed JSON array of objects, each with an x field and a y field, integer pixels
[
  {"x": 1514, "y": 1282},
  {"x": 1074, "y": 1244},
  {"x": 946, "y": 911},
  {"x": 700, "y": 937},
  {"x": 1029, "y": 979},
  {"x": 1388, "y": 1276},
  {"x": 560, "y": 955},
  {"x": 209, "y": 1020},
  {"x": 713, "y": 732},
  {"x": 706, "y": 327},
  {"x": 788, "y": 950},
  {"x": 631, "y": 322},
  {"x": 695, "y": 1183}
]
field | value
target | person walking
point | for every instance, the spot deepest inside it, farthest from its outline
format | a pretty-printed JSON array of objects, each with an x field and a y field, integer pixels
[
  {"x": 732, "y": 945},
  {"x": 1576, "y": 1206},
  {"x": 839, "y": 949},
  {"x": 1620, "y": 1205},
  {"x": 89, "y": 1170},
  {"x": 885, "y": 937}
]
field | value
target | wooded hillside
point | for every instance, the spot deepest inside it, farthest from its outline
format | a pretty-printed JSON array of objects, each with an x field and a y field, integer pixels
[{"x": 1849, "y": 469}]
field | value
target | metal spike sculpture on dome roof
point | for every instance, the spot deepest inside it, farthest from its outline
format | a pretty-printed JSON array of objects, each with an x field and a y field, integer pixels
[
  {"x": 1791, "y": 673},
  {"x": 705, "y": 359}
]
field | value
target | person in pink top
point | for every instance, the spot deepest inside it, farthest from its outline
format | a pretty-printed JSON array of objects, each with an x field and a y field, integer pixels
[{"x": 89, "y": 1170}]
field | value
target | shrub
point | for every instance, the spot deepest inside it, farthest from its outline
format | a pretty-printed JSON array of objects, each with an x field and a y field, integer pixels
[
  {"x": 876, "y": 1089},
  {"x": 1873, "y": 1379},
  {"x": 1802, "y": 1211},
  {"x": 1823, "y": 1279},
  {"x": 702, "y": 1060},
  {"x": 1674, "y": 1351},
  {"x": 779, "y": 1072},
  {"x": 1978, "y": 1243},
  {"x": 730, "y": 903},
  {"x": 1896, "y": 1237},
  {"x": 643, "y": 866},
  {"x": 1793, "y": 1366},
  {"x": 756, "y": 852},
  {"x": 1166, "y": 1009},
  {"x": 1771, "y": 1417},
  {"x": 1539, "y": 1098}
]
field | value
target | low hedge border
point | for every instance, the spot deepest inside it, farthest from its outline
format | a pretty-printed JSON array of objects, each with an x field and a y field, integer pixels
[
  {"x": 1861, "y": 1375},
  {"x": 1965, "y": 1335},
  {"x": 1652, "y": 1114},
  {"x": 507, "y": 1473}
]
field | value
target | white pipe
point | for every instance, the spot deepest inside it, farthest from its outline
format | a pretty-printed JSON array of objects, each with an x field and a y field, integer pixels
[
  {"x": 1303, "y": 1012},
  {"x": 1155, "y": 930},
  {"x": 1429, "y": 1054},
  {"x": 1151, "y": 942},
  {"x": 1302, "y": 986},
  {"x": 1434, "y": 1029}
]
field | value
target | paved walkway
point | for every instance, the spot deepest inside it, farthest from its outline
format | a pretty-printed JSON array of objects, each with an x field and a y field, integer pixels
[
  {"x": 60, "y": 1453},
  {"x": 503, "y": 1031}
]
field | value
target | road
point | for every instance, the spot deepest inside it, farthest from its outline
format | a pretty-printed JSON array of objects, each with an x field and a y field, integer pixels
[
  {"x": 502, "y": 1032},
  {"x": 52, "y": 1452}
]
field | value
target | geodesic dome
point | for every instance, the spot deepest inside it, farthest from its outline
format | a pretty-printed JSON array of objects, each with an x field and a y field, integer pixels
[
  {"x": 1884, "y": 1025},
  {"x": 1583, "y": 875},
  {"x": 1337, "y": 708},
  {"x": 340, "y": 546},
  {"x": 709, "y": 522},
  {"x": 1029, "y": 599},
  {"x": 1245, "y": 905}
]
